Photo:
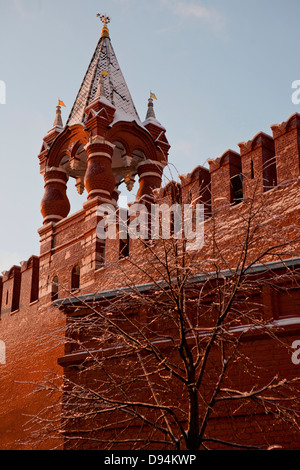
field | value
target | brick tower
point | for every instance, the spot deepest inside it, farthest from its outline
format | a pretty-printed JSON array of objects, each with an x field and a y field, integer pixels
[{"x": 103, "y": 144}]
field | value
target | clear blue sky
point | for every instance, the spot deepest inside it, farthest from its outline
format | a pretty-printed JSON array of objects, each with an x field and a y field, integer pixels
[{"x": 221, "y": 69}]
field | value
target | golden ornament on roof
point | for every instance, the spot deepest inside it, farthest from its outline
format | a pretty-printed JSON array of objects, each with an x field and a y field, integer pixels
[{"x": 105, "y": 20}]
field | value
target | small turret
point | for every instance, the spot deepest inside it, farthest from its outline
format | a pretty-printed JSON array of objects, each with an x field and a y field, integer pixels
[
  {"x": 155, "y": 128},
  {"x": 51, "y": 135},
  {"x": 58, "y": 123},
  {"x": 150, "y": 112}
]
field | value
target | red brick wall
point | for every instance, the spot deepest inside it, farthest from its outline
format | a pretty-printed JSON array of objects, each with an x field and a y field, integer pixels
[{"x": 29, "y": 351}]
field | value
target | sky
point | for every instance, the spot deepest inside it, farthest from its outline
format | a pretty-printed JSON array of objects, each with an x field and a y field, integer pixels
[{"x": 222, "y": 71}]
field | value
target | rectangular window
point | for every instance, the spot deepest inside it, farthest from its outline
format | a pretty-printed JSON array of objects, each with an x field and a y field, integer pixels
[
  {"x": 16, "y": 291},
  {"x": 34, "y": 295},
  {"x": 237, "y": 189},
  {"x": 288, "y": 302}
]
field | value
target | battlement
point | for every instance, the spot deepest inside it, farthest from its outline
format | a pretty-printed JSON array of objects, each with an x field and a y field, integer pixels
[
  {"x": 263, "y": 163},
  {"x": 19, "y": 287}
]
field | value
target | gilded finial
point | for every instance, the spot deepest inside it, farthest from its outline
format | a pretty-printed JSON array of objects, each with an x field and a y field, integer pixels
[{"x": 105, "y": 20}]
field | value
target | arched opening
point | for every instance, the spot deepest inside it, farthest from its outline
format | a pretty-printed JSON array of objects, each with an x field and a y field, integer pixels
[
  {"x": 75, "y": 165},
  {"x": 125, "y": 163}
]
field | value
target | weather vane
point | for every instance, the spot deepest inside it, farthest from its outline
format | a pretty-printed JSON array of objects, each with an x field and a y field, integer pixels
[{"x": 105, "y": 19}]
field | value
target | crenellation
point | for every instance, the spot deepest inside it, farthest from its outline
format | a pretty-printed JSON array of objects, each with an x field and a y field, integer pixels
[
  {"x": 19, "y": 287},
  {"x": 196, "y": 188},
  {"x": 287, "y": 149},
  {"x": 11, "y": 290},
  {"x": 226, "y": 182},
  {"x": 258, "y": 165},
  {"x": 29, "y": 291}
]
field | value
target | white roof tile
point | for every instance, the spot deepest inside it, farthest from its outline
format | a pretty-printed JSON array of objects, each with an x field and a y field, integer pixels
[{"x": 116, "y": 90}]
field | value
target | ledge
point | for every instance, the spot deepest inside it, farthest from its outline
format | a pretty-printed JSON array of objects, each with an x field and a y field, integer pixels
[
  {"x": 289, "y": 326},
  {"x": 14, "y": 312},
  {"x": 109, "y": 294}
]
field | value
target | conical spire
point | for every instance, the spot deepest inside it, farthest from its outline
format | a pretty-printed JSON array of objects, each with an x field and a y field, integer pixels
[
  {"x": 114, "y": 88},
  {"x": 150, "y": 117}
]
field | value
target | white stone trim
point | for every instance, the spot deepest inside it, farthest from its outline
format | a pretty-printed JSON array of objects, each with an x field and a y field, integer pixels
[
  {"x": 55, "y": 168},
  {"x": 56, "y": 180},
  {"x": 150, "y": 162},
  {"x": 100, "y": 154},
  {"x": 58, "y": 217},
  {"x": 102, "y": 191},
  {"x": 99, "y": 140},
  {"x": 150, "y": 173}
]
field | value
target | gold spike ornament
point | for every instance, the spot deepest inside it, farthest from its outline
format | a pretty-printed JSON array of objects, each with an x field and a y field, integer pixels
[{"x": 105, "y": 20}]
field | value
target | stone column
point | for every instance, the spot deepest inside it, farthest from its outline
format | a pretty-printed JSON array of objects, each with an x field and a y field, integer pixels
[
  {"x": 99, "y": 178},
  {"x": 55, "y": 204},
  {"x": 150, "y": 176}
]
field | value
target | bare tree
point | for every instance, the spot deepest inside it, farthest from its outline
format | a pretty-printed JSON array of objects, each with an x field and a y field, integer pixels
[{"x": 186, "y": 354}]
